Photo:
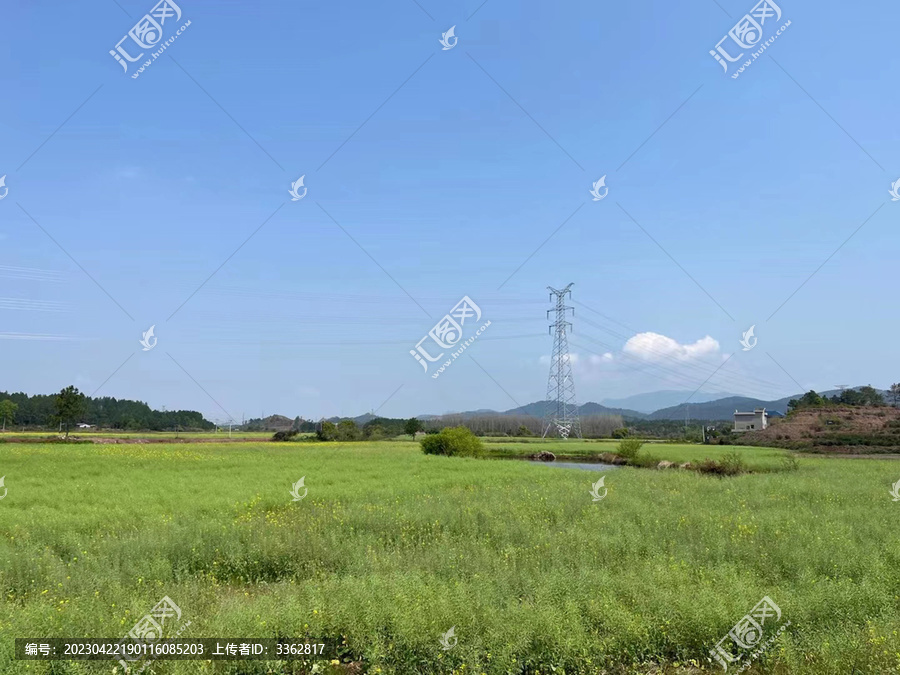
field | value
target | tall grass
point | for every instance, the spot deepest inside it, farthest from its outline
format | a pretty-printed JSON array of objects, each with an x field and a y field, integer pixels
[{"x": 391, "y": 548}]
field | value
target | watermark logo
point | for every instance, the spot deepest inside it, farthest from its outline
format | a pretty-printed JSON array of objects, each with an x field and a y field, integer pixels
[
  {"x": 894, "y": 192},
  {"x": 296, "y": 196},
  {"x": 146, "y": 34},
  {"x": 5, "y": 489},
  {"x": 747, "y": 34},
  {"x": 6, "y": 189},
  {"x": 149, "y": 628},
  {"x": 595, "y": 490},
  {"x": 595, "y": 189},
  {"x": 449, "y": 39},
  {"x": 748, "y": 632},
  {"x": 448, "y": 332},
  {"x": 449, "y": 639},
  {"x": 895, "y": 492},
  {"x": 148, "y": 340},
  {"x": 748, "y": 340},
  {"x": 295, "y": 491}
]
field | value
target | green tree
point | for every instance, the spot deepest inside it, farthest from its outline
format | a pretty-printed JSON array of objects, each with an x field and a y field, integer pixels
[
  {"x": 810, "y": 398},
  {"x": 7, "y": 411},
  {"x": 326, "y": 431},
  {"x": 347, "y": 431},
  {"x": 870, "y": 396},
  {"x": 894, "y": 393},
  {"x": 70, "y": 406},
  {"x": 412, "y": 426},
  {"x": 867, "y": 395}
]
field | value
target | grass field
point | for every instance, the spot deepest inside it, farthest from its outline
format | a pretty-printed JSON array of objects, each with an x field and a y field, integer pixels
[{"x": 390, "y": 548}]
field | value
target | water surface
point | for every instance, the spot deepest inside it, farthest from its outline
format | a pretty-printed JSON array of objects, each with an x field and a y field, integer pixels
[{"x": 587, "y": 466}]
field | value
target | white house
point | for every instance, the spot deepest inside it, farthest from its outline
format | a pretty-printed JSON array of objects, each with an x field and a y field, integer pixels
[{"x": 750, "y": 421}]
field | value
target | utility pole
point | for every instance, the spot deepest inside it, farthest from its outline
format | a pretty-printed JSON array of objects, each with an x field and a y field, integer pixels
[{"x": 561, "y": 416}]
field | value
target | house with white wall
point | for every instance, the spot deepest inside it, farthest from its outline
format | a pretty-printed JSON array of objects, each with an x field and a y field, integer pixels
[{"x": 750, "y": 421}]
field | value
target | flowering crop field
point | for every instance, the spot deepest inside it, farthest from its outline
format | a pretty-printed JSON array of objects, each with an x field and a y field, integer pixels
[{"x": 388, "y": 549}]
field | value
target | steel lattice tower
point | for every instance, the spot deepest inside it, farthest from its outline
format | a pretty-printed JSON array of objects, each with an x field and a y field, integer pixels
[{"x": 562, "y": 411}]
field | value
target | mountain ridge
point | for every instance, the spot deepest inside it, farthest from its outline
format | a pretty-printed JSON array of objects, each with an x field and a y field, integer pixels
[{"x": 717, "y": 409}]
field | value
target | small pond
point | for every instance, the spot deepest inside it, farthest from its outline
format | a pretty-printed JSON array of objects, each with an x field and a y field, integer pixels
[{"x": 587, "y": 466}]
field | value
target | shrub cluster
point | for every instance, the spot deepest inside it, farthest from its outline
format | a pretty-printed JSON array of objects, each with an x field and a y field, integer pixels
[
  {"x": 629, "y": 448},
  {"x": 731, "y": 464},
  {"x": 452, "y": 442}
]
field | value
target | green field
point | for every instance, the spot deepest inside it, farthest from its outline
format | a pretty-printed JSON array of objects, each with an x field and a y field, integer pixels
[{"x": 390, "y": 548}]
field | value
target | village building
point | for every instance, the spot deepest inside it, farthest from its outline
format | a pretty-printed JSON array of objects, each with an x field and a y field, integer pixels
[{"x": 750, "y": 421}]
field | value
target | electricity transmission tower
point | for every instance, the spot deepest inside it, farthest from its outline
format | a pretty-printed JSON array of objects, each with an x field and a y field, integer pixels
[{"x": 562, "y": 411}]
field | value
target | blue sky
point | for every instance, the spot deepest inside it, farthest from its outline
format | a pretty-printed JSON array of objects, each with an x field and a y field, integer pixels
[{"x": 436, "y": 174}]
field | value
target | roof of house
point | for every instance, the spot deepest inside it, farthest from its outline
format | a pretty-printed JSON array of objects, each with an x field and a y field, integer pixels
[{"x": 755, "y": 412}]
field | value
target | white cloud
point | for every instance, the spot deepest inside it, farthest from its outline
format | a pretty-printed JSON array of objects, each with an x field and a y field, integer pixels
[{"x": 656, "y": 347}]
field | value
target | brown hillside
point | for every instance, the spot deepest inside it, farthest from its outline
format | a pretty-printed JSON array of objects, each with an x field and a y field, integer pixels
[{"x": 833, "y": 429}]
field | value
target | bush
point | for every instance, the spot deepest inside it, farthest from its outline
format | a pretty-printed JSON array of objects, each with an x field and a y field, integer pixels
[
  {"x": 629, "y": 448},
  {"x": 452, "y": 442},
  {"x": 731, "y": 464},
  {"x": 284, "y": 435},
  {"x": 644, "y": 461},
  {"x": 621, "y": 432}
]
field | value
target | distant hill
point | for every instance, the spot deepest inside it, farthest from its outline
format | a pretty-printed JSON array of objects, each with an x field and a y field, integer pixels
[
  {"x": 360, "y": 420},
  {"x": 537, "y": 409},
  {"x": 270, "y": 423},
  {"x": 700, "y": 407},
  {"x": 722, "y": 409},
  {"x": 657, "y": 400}
]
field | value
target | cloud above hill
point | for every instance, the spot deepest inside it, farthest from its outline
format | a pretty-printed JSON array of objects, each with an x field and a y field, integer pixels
[{"x": 656, "y": 347}]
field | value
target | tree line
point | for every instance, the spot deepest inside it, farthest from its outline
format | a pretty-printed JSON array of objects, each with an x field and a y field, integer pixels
[
  {"x": 865, "y": 396},
  {"x": 70, "y": 407}
]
